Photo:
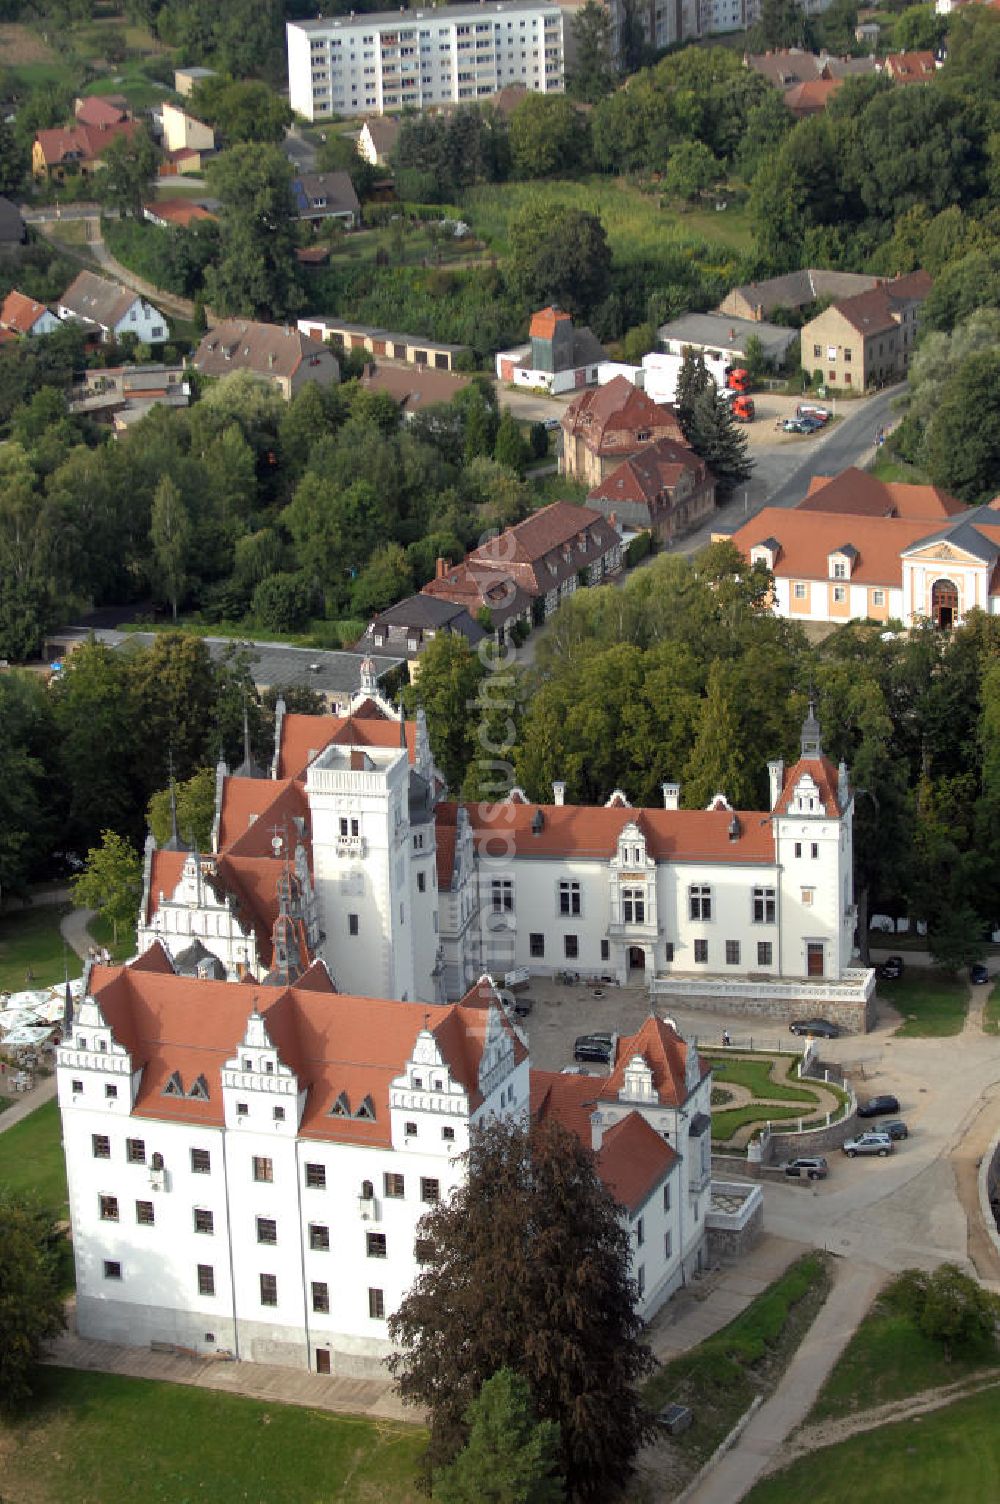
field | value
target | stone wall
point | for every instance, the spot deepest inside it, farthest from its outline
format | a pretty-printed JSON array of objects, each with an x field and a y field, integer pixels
[
  {"x": 727, "y": 1244},
  {"x": 854, "y": 1017}
]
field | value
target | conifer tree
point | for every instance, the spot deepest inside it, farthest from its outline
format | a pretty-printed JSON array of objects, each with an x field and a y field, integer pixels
[{"x": 510, "y": 1457}]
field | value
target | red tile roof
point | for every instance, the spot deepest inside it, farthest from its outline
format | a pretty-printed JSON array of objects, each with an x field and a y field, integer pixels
[
  {"x": 633, "y": 1161},
  {"x": 303, "y": 737},
  {"x": 79, "y": 141},
  {"x": 571, "y": 1100},
  {"x": 857, "y": 493},
  {"x": 664, "y": 1051},
  {"x": 99, "y": 111},
  {"x": 583, "y": 831},
  {"x": 811, "y": 97},
  {"x": 910, "y": 67},
  {"x": 823, "y": 774},
  {"x": 617, "y": 408},
  {"x": 20, "y": 313},
  {"x": 180, "y": 211},
  {"x": 543, "y": 323},
  {"x": 643, "y": 477},
  {"x": 164, "y": 875},
  {"x": 807, "y": 539},
  {"x": 333, "y": 1042},
  {"x": 870, "y": 312}
]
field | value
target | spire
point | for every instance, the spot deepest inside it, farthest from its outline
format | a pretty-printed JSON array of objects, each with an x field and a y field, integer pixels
[
  {"x": 812, "y": 742},
  {"x": 67, "y": 1024},
  {"x": 175, "y": 843},
  {"x": 247, "y": 768}
]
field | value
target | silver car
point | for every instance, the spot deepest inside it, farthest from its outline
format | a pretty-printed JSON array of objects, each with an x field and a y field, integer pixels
[{"x": 868, "y": 1143}]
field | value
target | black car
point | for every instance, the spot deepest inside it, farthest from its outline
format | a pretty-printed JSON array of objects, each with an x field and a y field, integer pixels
[
  {"x": 877, "y": 1107},
  {"x": 891, "y": 969},
  {"x": 978, "y": 974},
  {"x": 895, "y": 1128},
  {"x": 821, "y": 1027},
  {"x": 522, "y": 1005},
  {"x": 813, "y": 1168},
  {"x": 593, "y": 1047}
]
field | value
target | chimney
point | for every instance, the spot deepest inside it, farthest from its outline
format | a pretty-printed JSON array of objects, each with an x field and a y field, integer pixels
[
  {"x": 671, "y": 795},
  {"x": 441, "y": 567},
  {"x": 559, "y": 792},
  {"x": 843, "y": 785},
  {"x": 776, "y": 773}
]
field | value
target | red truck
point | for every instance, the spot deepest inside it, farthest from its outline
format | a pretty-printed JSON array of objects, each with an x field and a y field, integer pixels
[
  {"x": 743, "y": 409},
  {"x": 737, "y": 379}
]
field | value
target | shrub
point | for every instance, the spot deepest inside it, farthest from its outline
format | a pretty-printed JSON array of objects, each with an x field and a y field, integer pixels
[{"x": 639, "y": 548}]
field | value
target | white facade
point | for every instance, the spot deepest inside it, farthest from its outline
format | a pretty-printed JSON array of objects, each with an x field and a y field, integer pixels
[
  {"x": 140, "y": 318},
  {"x": 661, "y": 372},
  {"x": 395, "y": 60}
]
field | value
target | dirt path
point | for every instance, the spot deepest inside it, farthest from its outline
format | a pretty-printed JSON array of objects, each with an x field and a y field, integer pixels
[
  {"x": 829, "y": 1432},
  {"x": 97, "y": 252}
]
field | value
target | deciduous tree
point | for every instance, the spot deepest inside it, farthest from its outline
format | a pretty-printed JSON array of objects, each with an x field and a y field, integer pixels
[
  {"x": 510, "y": 1457},
  {"x": 129, "y": 166},
  {"x": 256, "y": 271},
  {"x": 111, "y": 882},
  {"x": 170, "y": 536},
  {"x": 195, "y": 803},
  {"x": 593, "y": 74},
  {"x": 31, "y": 1307},
  {"x": 450, "y": 674},
  {"x": 560, "y": 255},
  {"x": 527, "y": 1267}
]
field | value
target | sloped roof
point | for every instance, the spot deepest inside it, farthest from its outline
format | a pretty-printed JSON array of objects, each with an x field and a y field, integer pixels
[
  {"x": 823, "y": 774},
  {"x": 583, "y": 831},
  {"x": 164, "y": 875},
  {"x": 870, "y": 312},
  {"x": 179, "y": 211},
  {"x": 664, "y": 1051},
  {"x": 273, "y": 350},
  {"x": 20, "y": 313},
  {"x": 796, "y": 289},
  {"x": 615, "y": 406},
  {"x": 335, "y": 187},
  {"x": 550, "y": 527},
  {"x": 910, "y": 67},
  {"x": 445, "y": 839},
  {"x": 333, "y": 1042},
  {"x": 303, "y": 737},
  {"x": 643, "y": 476},
  {"x": 80, "y": 141},
  {"x": 413, "y": 387},
  {"x": 811, "y": 97},
  {"x": 474, "y": 584},
  {"x": 544, "y": 322},
  {"x": 807, "y": 538},
  {"x": 633, "y": 1160},
  {"x": 98, "y": 301},
  {"x": 571, "y": 1100},
  {"x": 858, "y": 493},
  {"x": 384, "y": 133},
  {"x": 100, "y": 111}
]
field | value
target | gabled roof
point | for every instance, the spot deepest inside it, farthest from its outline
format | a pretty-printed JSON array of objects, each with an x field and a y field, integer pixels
[
  {"x": 615, "y": 407},
  {"x": 100, "y": 111},
  {"x": 910, "y": 67},
  {"x": 875, "y": 311},
  {"x": 811, "y": 97},
  {"x": 665, "y": 1052},
  {"x": 20, "y": 313},
  {"x": 979, "y": 539},
  {"x": 543, "y": 323},
  {"x": 548, "y": 528},
  {"x": 303, "y": 737},
  {"x": 633, "y": 1161},
  {"x": 80, "y": 141},
  {"x": 644, "y": 476},
  {"x": 335, "y": 188},
  {"x": 823, "y": 773},
  {"x": 474, "y": 584},
  {"x": 413, "y": 387},
  {"x": 272, "y": 350},
  {"x": 178, "y": 211},
  {"x": 858, "y": 493},
  {"x": 98, "y": 301},
  {"x": 430, "y": 613},
  {"x": 336, "y": 1044},
  {"x": 384, "y": 133},
  {"x": 586, "y": 832}
]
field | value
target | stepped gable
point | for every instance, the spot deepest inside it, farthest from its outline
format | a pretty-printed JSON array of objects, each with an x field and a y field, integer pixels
[{"x": 335, "y": 1044}]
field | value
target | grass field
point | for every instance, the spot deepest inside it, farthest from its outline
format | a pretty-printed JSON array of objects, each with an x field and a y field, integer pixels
[
  {"x": 950, "y": 1456},
  {"x": 637, "y": 227},
  {"x": 888, "y": 468},
  {"x": 719, "y": 1379},
  {"x": 932, "y": 1005},
  {"x": 30, "y": 939},
  {"x": 31, "y": 1157},
  {"x": 776, "y": 1099},
  {"x": 94, "y": 1437},
  {"x": 887, "y": 1359}
]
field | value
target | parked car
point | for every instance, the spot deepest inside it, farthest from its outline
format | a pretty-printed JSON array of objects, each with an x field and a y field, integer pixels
[
  {"x": 811, "y": 423},
  {"x": 878, "y": 1107},
  {"x": 814, "y": 1168},
  {"x": 810, "y": 410},
  {"x": 821, "y": 1027},
  {"x": 551, "y": 424},
  {"x": 593, "y": 1047},
  {"x": 978, "y": 974},
  {"x": 895, "y": 1128},
  {"x": 891, "y": 969},
  {"x": 868, "y": 1143},
  {"x": 796, "y": 425},
  {"x": 522, "y": 1005}
]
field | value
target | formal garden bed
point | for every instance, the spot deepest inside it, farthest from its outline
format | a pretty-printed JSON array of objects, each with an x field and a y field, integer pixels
[{"x": 751, "y": 1090}]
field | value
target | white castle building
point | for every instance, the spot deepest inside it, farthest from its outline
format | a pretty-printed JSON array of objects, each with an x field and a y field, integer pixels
[
  {"x": 350, "y": 852},
  {"x": 248, "y": 1165}
]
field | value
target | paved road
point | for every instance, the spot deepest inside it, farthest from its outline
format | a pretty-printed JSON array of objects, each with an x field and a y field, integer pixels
[{"x": 300, "y": 152}]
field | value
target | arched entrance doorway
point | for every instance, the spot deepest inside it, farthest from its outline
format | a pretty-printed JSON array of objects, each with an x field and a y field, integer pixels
[
  {"x": 636, "y": 958},
  {"x": 944, "y": 603}
]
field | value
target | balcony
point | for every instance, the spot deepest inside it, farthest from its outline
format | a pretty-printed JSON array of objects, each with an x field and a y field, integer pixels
[{"x": 351, "y": 846}]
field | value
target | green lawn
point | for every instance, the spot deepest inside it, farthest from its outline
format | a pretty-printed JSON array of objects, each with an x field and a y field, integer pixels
[
  {"x": 762, "y": 1077},
  {"x": 950, "y": 1456},
  {"x": 887, "y": 1359},
  {"x": 637, "y": 227},
  {"x": 719, "y": 1379},
  {"x": 932, "y": 1005},
  {"x": 30, "y": 939},
  {"x": 122, "y": 949},
  {"x": 31, "y": 1157},
  {"x": 95, "y": 1437},
  {"x": 887, "y": 467}
]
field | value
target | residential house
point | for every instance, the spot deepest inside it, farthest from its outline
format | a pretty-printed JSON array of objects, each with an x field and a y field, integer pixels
[
  {"x": 273, "y": 352},
  {"x": 856, "y": 547},
  {"x": 811, "y": 97},
  {"x": 406, "y": 349},
  {"x": 480, "y": 588},
  {"x": 558, "y": 357},
  {"x": 182, "y": 131},
  {"x": 413, "y": 388},
  {"x": 186, "y": 80},
  {"x": 724, "y": 337},
  {"x": 75, "y": 150},
  {"x": 409, "y": 625},
  {"x": 101, "y": 110},
  {"x": 322, "y": 196},
  {"x": 186, "y": 161},
  {"x": 867, "y": 339},
  {"x": 757, "y": 301},
  {"x": 543, "y": 558},
  {"x": 123, "y": 395},
  {"x": 376, "y": 64},
  {"x": 665, "y": 489},
  {"x": 377, "y": 140},
  {"x": 13, "y": 232},
  {"x": 787, "y": 67},
  {"x": 22, "y": 315},
  {"x": 111, "y": 310},
  {"x": 604, "y": 427},
  {"x": 909, "y": 67},
  {"x": 177, "y": 213}
]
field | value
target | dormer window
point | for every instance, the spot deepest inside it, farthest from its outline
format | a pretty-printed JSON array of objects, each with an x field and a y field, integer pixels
[
  {"x": 839, "y": 569},
  {"x": 367, "y": 1110},
  {"x": 199, "y": 1090},
  {"x": 341, "y": 1108},
  {"x": 173, "y": 1087}
]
